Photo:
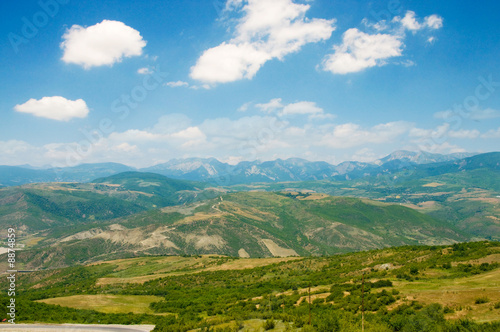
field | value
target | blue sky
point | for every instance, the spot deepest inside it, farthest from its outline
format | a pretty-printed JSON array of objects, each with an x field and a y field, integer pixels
[{"x": 144, "y": 82}]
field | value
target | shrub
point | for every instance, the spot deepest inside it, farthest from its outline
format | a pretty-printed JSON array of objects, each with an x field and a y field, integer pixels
[
  {"x": 481, "y": 300},
  {"x": 269, "y": 324},
  {"x": 448, "y": 310}
]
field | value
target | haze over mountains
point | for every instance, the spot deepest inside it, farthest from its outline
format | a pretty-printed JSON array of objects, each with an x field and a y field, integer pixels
[{"x": 212, "y": 170}]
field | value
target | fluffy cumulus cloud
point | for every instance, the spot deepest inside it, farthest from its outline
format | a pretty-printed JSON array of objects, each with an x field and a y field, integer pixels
[
  {"x": 410, "y": 22},
  {"x": 105, "y": 43},
  {"x": 55, "y": 108},
  {"x": 434, "y": 22},
  {"x": 267, "y": 30},
  {"x": 361, "y": 50}
]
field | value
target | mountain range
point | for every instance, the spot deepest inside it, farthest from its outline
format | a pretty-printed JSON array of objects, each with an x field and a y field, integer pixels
[{"x": 219, "y": 173}]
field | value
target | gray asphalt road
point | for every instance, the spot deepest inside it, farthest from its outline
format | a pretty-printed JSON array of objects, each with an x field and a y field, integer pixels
[{"x": 75, "y": 328}]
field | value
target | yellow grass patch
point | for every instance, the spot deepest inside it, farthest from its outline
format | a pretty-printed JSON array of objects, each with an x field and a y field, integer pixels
[
  {"x": 313, "y": 197},
  {"x": 169, "y": 266},
  {"x": 433, "y": 184},
  {"x": 138, "y": 304},
  {"x": 459, "y": 294}
]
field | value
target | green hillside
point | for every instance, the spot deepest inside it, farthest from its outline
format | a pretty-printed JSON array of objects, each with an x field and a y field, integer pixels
[
  {"x": 411, "y": 288},
  {"x": 466, "y": 193},
  {"x": 244, "y": 225},
  {"x": 46, "y": 206}
]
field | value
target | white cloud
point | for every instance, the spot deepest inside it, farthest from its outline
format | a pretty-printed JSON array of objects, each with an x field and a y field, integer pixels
[
  {"x": 136, "y": 136},
  {"x": 12, "y": 147},
  {"x": 301, "y": 107},
  {"x": 463, "y": 133},
  {"x": 360, "y": 50},
  {"x": 444, "y": 114},
  {"x": 177, "y": 84},
  {"x": 105, "y": 43},
  {"x": 244, "y": 107},
  {"x": 476, "y": 114},
  {"x": 298, "y": 108},
  {"x": 436, "y": 133},
  {"x": 125, "y": 147},
  {"x": 489, "y": 113},
  {"x": 365, "y": 155},
  {"x": 410, "y": 22},
  {"x": 268, "y": 30},
  {"x": 434, "y": 22},
  {"x": 264, "y": 137},
  {"x": 190, "y": 133},
  {"x": 55, "y": 108},
  {"x": 443, "y": 148},
  {"x": 378, "y": 26},
  {"x": 350, "y": 135},
  {"x": 144, "y": 71},
  {"x": 271, "y": 106},
  {"x": 408, "y": 63}
]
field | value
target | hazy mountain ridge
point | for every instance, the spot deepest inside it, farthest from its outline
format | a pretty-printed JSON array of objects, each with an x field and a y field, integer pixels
[{"x": 212, "y": 170}]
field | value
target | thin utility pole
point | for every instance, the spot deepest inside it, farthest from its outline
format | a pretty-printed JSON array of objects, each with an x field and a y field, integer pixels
[
  {"x": 363, "y": 303},
  {"x": 310, "y": 271},
  {"x": 309, "y": 303}
]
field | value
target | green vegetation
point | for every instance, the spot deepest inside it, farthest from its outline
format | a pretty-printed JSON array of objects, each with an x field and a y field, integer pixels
[
  {"x": 41, "y": 207},
  {"x": 216, "y": 292},
  {"x": 255, "y": 224},
  {"x": 171, "y": 250}
]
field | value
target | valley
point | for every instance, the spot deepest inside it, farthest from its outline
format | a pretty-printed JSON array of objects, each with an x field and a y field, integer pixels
[{"x": 418, "y": 244}]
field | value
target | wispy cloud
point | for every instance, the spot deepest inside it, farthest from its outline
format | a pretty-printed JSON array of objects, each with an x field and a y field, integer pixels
[
  {"x": 268, "y": 30},
  {"x": 177, "y": 84},
  {"x": 361, "y": 50}
]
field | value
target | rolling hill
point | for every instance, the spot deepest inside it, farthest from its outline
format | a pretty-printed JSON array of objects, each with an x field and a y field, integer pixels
[
  {"x": 44, "y": 207},
  {"x": 244, "y": 225}
]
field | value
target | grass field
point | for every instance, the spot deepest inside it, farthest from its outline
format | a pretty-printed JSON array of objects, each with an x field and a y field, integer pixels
[
  {"x": 140, "y": 270},
  {"x": 137, "y": 304},
  {"x": 459, "y": 294},
  {"x": 434, "y": 285}
]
